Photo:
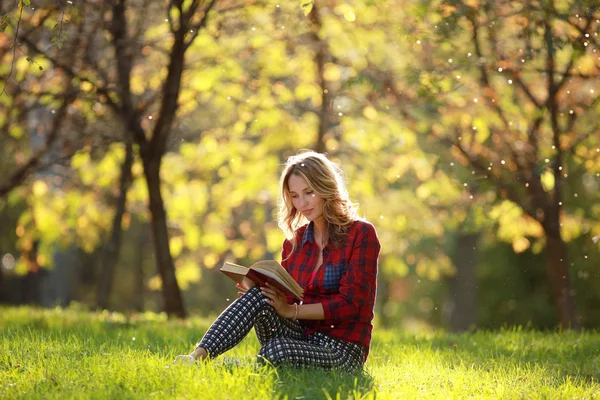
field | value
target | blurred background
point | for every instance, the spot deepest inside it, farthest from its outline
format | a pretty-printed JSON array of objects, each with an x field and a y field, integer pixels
[{"x": 142, "y": 141}]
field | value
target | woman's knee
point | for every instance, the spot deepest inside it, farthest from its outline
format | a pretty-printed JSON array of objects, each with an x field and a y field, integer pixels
[{"x": 253, "y": 295}]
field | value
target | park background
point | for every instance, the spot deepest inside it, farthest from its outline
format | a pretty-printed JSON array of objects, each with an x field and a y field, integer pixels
[{"x": 141, "y": 144}]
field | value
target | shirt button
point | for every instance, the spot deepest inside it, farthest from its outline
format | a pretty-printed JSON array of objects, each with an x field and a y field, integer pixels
[{"x": 311, "y": 286}]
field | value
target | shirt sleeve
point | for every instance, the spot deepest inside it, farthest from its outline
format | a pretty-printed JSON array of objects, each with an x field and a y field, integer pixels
[{"x": 359, "y": 283}]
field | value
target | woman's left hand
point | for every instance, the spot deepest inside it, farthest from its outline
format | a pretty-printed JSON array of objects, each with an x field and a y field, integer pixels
[{"x": 277, "y": 299}]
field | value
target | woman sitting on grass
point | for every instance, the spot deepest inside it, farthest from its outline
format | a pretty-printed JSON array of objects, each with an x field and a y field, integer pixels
[{"x": 333, "y": 258}]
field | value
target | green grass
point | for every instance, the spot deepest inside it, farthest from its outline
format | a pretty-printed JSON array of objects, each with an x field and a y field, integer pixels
[{"x": 75, "y": 354}]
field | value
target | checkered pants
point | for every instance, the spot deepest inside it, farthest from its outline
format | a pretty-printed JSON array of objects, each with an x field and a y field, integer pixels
[{"x": 283, "y": 340}]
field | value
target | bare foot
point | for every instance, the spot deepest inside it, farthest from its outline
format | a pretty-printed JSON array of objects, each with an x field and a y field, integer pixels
[{"x": 199, "y": 354}]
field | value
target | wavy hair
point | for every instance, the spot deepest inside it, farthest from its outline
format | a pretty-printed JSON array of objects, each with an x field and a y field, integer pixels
[{"x": 326, "y": 179}]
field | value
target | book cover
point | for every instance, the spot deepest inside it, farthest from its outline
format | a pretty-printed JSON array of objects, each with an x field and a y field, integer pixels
[{"x": 263, "y": 272}]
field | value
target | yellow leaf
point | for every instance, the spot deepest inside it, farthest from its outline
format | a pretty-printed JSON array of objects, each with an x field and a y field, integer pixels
[
  {"x": 350, "y": 16},
  {"x": 155, "y": 283},
  {"x": 138, "y": 83},
  {"x": 16, "y": 131},
  {"x": 307, "y": 6},
  {"x": 332, "y": 72},
  {"x": 80, "y": 159},
  {"x": 422, "y": 168},
  {"x": 423, "y": 192},
  {"x": 396, "y": 266},
  {"x": 39, "y": 188},
  {"x": 86, "y": 86},
  {"x": 192, "y": 237},
  {"x": 547, "y": 180},
  {"x": 176, "y": 245},
  {"x": 42, "y": 260},
  {"x": 239, "y": 249},
  {"x": 87, "y": 176},
  {"x": 210, "y": 260},
  {"x": 369, "y": 112},
  {"x": 187, "y": 272},
  {"x": 520, "y": 244},
  {"x": 274, "y": 237},
  {"x": 482, "y": 130},
  {"x": 305, "y": 91},
  {"x": 587, "y": 64},
  {"x": 202, "y": 83}
]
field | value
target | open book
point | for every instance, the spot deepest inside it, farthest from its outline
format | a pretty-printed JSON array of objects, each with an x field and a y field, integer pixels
[{"x": 265, "y": 271}]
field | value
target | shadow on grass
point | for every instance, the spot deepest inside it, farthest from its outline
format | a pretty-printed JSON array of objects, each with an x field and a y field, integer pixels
[{"x": 315, "y": 383}]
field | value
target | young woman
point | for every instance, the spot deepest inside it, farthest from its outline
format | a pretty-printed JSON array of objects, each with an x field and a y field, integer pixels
[{"x": 333, "y": 255}]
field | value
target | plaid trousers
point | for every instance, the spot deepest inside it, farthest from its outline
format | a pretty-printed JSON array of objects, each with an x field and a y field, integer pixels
[{"x": 282, "y": 340}]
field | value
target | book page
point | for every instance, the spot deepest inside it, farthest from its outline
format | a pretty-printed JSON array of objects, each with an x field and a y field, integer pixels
[{"x": 276, "y": 270}]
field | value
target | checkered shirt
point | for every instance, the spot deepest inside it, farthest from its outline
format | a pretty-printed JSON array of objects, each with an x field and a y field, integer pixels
[{"x": 345, "y": 284}]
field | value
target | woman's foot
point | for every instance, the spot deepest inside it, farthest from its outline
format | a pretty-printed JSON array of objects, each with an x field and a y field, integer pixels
[{"x": 199, "y": 353}]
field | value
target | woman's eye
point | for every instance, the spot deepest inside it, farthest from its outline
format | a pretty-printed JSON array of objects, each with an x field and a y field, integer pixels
[{"x": 309, "y": 192}]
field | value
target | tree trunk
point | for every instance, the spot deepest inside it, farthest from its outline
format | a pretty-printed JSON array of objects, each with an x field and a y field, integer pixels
[
  {"x": 320, "y": 59},
  {"x": 166, "y": 269},
  {"x": 139, "y": 271},
  {"x": 558, "y": 275},
  {"x": 383, "y": 297},
  {"x": 111, "y": 254},
  {"x": 31, "y": 287},
  {"x": 3, "y": 296},
  {"x": 461, "y": 305}
]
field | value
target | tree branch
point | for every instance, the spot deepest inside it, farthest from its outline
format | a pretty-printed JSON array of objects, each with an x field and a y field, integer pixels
[
  {"x": 124, "y": 57},
  {"x": 199, "y": 25},
  {"x": 574, "y": 56},
  {"x": 71, "y": 73},
  {"x": 480, "y": 165},
  {"x": 12, "y": 64},
  {"x": 491, "y": 94},
  {"x": 29, "y": 167}
]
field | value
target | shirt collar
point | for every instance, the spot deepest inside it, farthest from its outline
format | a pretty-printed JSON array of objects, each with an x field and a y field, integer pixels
[{"x": 309, "y": 234}]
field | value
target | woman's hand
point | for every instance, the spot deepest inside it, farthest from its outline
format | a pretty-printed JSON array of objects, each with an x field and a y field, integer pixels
[
  {"x": 277, "y": 299},
  {"x": 246, "y": 284}
]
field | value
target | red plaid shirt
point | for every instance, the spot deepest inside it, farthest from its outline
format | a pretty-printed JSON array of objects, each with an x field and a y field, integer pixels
[{"x": 345, "y": 284}]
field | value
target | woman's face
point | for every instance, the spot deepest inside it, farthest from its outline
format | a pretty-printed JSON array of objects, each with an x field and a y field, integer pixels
[{"x": 304, "y": 199}]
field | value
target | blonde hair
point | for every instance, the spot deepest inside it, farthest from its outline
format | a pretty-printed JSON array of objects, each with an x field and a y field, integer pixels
[{"x": 326, "y": 179}]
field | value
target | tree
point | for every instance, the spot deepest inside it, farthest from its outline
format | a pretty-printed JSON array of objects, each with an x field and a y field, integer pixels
[
  {"x": 184, "y": 21},
  {"x": 516, "y": 100},
  {"x": 111, "y": 253}
]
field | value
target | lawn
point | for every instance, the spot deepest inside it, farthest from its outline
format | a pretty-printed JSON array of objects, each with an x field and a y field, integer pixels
[{"x": 76, "y": 354}]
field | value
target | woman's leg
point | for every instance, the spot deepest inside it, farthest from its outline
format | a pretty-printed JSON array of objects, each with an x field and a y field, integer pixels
[
  {"x": 238, "y": 319},
  {"x": 316, "y": 350}
]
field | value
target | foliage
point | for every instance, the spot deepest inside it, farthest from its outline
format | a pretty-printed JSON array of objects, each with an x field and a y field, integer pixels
[
  {"x": 504, "y": 84},
  {"x": 251, "y": 95}
]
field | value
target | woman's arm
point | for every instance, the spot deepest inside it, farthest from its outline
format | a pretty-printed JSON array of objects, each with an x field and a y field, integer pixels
[
  {"x": 358, "y": 284},
  {"x": 278, "y": 300},
  {"x": 311, "y": 311}
]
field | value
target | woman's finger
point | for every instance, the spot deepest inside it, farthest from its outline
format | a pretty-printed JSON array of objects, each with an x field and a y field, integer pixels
[
  {"x": 274, "y": 288},
  {"x": 268, "y": 295}
]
